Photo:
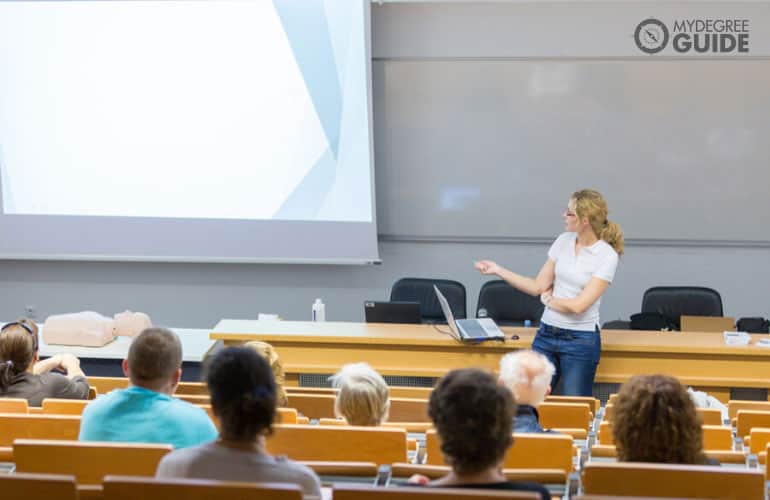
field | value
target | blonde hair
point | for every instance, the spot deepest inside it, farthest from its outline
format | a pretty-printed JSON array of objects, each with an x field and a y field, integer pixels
[
  {"x": 362, "y": 397},
  {"x": 591, "y": 204},
  {"x": 528, "y": 375},
  {"x": 267, "y": 352}
]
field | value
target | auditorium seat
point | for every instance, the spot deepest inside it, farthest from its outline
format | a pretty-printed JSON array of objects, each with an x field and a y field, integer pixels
[
  {"x": 380, "y": 445},
  {"x": 592, "y": 402},
  {"x": 421, "y": 290},
  {"x": 25, "y": 426},
  {"x": 361, "y": 492},
  {"x": 564, "y": 415},
  {"x": 14, "y": 405},
  {"x": 38, "y": 487},
  {"x": 132, "y": 488},
  {"x": 53, "y": 406},
  {"x": 672, "y": 481},
  {"x": 529, "y": 451}
]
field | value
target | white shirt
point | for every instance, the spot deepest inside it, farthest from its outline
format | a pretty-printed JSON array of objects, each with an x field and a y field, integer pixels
[{"x": 573, "y": 273}]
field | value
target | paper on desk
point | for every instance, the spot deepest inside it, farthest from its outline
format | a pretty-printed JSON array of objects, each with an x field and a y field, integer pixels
[{"x": 737, "y": 338}]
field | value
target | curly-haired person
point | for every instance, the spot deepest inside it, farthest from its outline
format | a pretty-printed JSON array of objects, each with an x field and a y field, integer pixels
[
  {"x": 655, "y": 421},
  {"x": 472, "y": 415}
]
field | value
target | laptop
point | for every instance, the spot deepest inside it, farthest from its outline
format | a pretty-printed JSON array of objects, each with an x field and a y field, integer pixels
[
  {"x": 469, "y": 329},
  {"x": 392, "y": 312},
  {"x": 707, "y": 324}
]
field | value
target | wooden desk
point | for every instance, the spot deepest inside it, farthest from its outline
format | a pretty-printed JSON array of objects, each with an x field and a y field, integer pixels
[{"x": 697, "y": 359}]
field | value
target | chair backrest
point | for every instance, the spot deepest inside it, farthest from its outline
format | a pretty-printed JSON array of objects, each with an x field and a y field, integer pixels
[
  {"x": 749, "y": 419},
  {"x": 675, "y": 481},
  {"x": 131, "y": 488},
  {"x": 710, "y": 416},
  {"x": 313, "y": 405},
  {"x": 507, "y": 305},
  {"x": 734, "y": 405},
  {"x": 195, "y": 399},
  {"x": 362, "y": 492},
  {"x": 192, "y": 388},
  {"x": 380, "y": 445},
  {"x": 760, "y": 438},
  {"x": 38, "y": 487},
  {"x": 52, "y": 406},
  {"x": 571, "y": 415},
  {"x": 89, "y": 462},
  {"x": 529, "y": 451},
  {"x": 593, "y": 403},
  {"x": 103, "y": 385},
  {"x": 26, "y": 426},
  {"x": 674, "y": 301},
  {"x": 421, "y": 290},
  {"x": 408, "y": 410},
  {"x": 717, "y": 437},
  {"x": 14, "y": 405}
]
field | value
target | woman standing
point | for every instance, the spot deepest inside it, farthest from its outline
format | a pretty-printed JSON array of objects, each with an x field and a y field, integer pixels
[{"x": 580, "y": 266}]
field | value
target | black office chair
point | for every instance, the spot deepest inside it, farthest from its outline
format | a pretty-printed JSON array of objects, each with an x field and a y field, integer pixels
[
  {"x": 421, "y": 290},
  {"x": 616, "y": 324},
  {"x": 675, "y": 301},
  {"x": 507, "y": 305}
]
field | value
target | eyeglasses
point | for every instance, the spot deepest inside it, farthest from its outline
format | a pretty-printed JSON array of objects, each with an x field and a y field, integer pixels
[{"x": 26, "y": 327}]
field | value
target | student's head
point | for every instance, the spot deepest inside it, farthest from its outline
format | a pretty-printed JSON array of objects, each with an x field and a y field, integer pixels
[
  {"x": 655, "y": 421},
  {"x": 268, "y": 353},
  {"x": 528, "y": 375},
  {"x": 587, "y": 209},
  {"x": 472, "y": 414},
  {"x": 362, "y": 396},
  {"x": 243, "y": 393},
  {"x": 155, "y": 360},
  {"x": 18, "y": 349}
]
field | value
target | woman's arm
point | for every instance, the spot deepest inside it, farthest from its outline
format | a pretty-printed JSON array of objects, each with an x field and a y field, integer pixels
[
  {"x": 536, "y": 286},
  {"x": 590, "y": 294}
]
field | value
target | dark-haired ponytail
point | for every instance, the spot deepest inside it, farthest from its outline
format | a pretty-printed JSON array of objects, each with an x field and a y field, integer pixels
[{"x": 6, "y": 375}]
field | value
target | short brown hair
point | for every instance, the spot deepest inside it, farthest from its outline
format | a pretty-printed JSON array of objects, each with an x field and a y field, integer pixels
[
  {"x": 154, "y": 355},
  {"x": 473, "y": 416},
  {"x": 655, "y": 421}
]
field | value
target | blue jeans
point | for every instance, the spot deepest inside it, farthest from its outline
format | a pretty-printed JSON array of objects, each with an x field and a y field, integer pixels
[{"x": 574, "y": 353}]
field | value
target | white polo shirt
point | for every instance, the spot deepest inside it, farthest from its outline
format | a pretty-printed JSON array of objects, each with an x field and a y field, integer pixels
[{"x": 573, "y": 273}]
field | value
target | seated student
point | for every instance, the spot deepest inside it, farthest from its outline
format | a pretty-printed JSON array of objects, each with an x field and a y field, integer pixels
[
  {"x": 472, "y": 414},
  {"x": 23, "y": 376},
  {"x": 267, "y": 352},
  {"x": 528, "y": 375},
  {"x": 655, "y": 421},
  {"x": 362, "y": 397},
  {"x": 243, "y": 396},
  {"x": 146, "y": 412}
]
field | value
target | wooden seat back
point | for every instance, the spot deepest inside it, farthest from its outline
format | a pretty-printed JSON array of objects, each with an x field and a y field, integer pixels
[
  {"x": 313, "y": 405},
  {"x": 565, "y": 415},
  {"x": 362, "y": 492},
  {"x": 103, "y": 385},
  {"x": 543, "y": 476},
  {"x": 593, "y": 403},
  {"x": 529, "y": 451},
  {"x": 674, "y": 481},
  {"x": 717, "y": 437},
  {"x": 38, "y": 487},
  {"x": 14, "y": 405},
  {"x": 710, "y": 416},
  {"x": 760, "y": 438},
  {"x": 194, "y": 398},
  {"x": 131, "y": 488},
  {"x": 192, "y": 388},
  {"x": 408, "y": 410},
  {"x": 735, "y": 405},
  {"x": 749, "y": 419},
  {"x": 26, "y": 426},
  {"x": 89, "y": 461},
  {"x": 53, "y": 406},
  {"x": 380, "y": 445}
]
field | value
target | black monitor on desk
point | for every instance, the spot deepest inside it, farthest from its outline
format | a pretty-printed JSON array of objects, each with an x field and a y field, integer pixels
[{"x": 392, "y": 312}]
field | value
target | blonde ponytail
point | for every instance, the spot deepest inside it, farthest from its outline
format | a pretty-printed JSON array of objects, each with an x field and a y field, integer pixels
[{"x": 613, "y": 235}]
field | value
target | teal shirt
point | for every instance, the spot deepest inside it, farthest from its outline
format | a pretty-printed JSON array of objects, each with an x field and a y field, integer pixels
[{"x": 138, "y": 415}]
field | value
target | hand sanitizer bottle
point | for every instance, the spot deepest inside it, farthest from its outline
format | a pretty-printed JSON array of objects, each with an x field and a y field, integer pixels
[{"x": 319, "y": 310}]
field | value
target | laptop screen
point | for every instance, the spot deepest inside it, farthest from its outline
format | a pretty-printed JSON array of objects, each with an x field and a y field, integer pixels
[{"x": 450, "y": 319}]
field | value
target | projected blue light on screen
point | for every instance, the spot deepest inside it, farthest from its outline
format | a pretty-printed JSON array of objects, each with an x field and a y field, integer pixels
[{"x": 226, "y": 109}]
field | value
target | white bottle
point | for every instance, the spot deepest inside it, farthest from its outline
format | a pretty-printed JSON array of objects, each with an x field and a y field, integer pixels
[{"x": 319, "y": 310}]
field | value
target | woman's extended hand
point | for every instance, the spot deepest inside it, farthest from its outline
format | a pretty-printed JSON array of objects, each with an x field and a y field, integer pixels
[{"x": 487, "y": 267}]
